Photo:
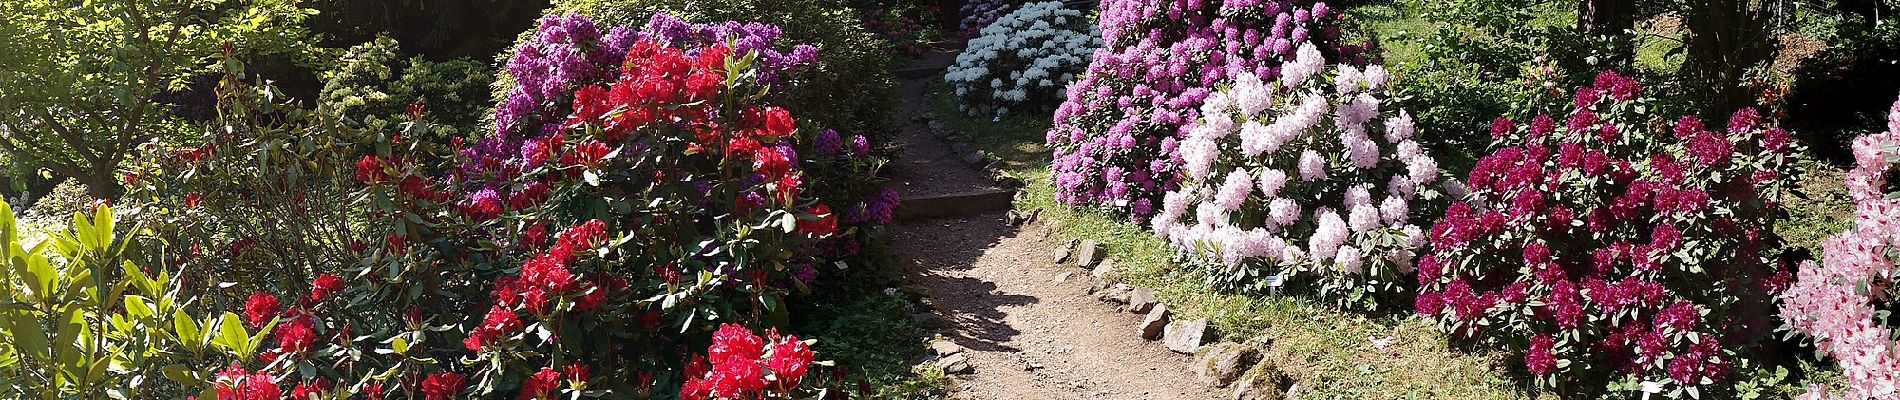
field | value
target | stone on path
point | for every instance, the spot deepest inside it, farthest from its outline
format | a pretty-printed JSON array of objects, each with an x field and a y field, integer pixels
[
  {"x": 945, "y": 348},
  {"x": 1220, "y": 364},
  {"x": 1065, "y": 252},
  {"x": 1064, "y": 277},
  {"x": 1155, "y": 323},
  {"x": 1186, "y": 336},
  {"x": 1116, "y": 294},
  {"x": 1104, "y": 275},
  {"x": 958, "y": 363},
  {"x": 1089, "y": 253},
  {"x": 1141, "y": 300},
  {"x": 1263, "y": 382}
]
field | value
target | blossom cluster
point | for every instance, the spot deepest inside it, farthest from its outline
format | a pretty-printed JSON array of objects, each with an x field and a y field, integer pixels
[
  {"x": 1304, "y": 178},
  {"x": 745, "y": 366},
  {"x": 977, "y": 14},
  {"x": 1832, "y": 302},
  {"x": 568, "y": 52},
  {"x": 1628, "y": 249},
  {"x": 1023, "y": 60},
  {"x": 1116, "y": 137}
]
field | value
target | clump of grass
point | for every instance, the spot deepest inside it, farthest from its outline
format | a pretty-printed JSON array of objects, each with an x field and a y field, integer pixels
[
  {"x": 1016, "y": 139},
  {"x": 1819, "y": 209}
]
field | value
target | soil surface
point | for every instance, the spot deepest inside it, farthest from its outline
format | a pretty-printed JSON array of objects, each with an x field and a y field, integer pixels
[
  {"x": 1030, "y": 327},
  {"x": 926, "y": 166}
]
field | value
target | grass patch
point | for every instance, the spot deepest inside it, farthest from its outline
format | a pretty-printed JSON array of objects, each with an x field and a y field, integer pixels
[
  {"x": 869, "y": 332},
  {"x": 1016, "y": 139},
  {"x": 1820, "y": 208},
  {"x": 1328, "y": 352}
]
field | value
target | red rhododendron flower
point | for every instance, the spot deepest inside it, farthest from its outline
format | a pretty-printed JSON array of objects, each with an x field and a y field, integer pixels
[
  {"x": 192, "y": 199},
  {"x": 310, "y": 390},
  {"x": 779, "y": 123},
  {"x": 540, "y": 385},
  {"x": 295, "y": 336},
  {"x": 260, "y": 309},
  {"x": 443, "y": 386},
  {"x": 736, "y": 378},
  {"x": 324, "y": 286},
  {"x": 1539, "y": 360},
  {"x": 790, "y": 361},
  {"x": 375, "y": 391},
  {"x": 578, "y": 374},
  {"x": 825, "y": 225},
  {"x": 370, "y": 170},
  {"x": 733, "y": 341}
]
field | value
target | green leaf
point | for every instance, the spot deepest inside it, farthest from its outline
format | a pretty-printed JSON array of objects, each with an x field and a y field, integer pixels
[
  {"x": 178, "y": 373},
  {"x": 186, "y": 330},
  {"x": 83, "y": 231},
  {"x": 27, "y": 335},
  {"x": 138, "y": 308},
  {"x": 231, "y": 336},
  {"x": 102, "y": 228}
]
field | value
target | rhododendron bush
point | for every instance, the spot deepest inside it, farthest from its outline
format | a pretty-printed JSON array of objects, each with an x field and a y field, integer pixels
[
  {"x": 1022, "y": 61},
  {"x": 1303, "y": 177},
  {"x": 640, "y": 187},
  {"x": 1610, "y": 249},
  {"x": 1839, "y": 302},
  {"x": 1116, "y": 136},
  {"x": 647, "y": 182}
]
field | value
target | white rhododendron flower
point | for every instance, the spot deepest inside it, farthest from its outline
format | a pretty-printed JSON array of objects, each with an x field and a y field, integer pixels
[{"x": 1307, "y": 178}]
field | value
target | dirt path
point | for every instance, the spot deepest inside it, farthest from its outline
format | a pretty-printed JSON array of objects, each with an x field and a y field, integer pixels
[
  {"x": 1028, "y": 326},
  {"x": 1030, "y": 333},
  {"x": 927, "y": 168}
]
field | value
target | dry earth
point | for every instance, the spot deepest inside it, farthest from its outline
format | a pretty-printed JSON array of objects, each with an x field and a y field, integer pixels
[{"x": 1030, "y": 327}]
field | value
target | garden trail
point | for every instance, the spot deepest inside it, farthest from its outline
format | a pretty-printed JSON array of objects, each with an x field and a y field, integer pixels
[{"x": 1028, "y": 326}]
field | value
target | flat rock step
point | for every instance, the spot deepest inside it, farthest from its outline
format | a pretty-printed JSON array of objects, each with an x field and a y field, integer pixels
[{"x": 955, "y": 205}]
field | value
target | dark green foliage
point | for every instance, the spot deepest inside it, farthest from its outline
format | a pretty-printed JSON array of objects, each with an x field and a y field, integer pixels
[
  {"x": 434, "y": 29},
  {"x": 850, "y": 88},
  {"x": 81, "y": 83},
  {"x": 373, "y": 85}
]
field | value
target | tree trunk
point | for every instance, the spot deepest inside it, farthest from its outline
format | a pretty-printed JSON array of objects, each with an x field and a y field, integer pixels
[
  {"x": 1727, "y": 39},
  {"x": 102, "y": 183},
  {"x": 1606, "y": 17}
]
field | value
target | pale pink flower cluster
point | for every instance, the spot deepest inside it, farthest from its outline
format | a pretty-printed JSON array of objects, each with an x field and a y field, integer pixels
[
  {"x": 1301, "y": 175},
  {"x": 1826, "y": 301}
]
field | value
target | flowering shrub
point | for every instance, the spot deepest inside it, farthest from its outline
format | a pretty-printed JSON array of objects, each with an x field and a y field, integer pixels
[
  {"x": 1839, "y": 302},
  {"x": 848, "y": 88},
  {"x": 1609, "y": 247},
  {"x": 1023, "y": 60},
  {"x": 645, "y": 182},
  {"x": 977, "y": 14},
  {"x": 1303, "y": 177},
  {"x": 1116, "y": 136}
]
